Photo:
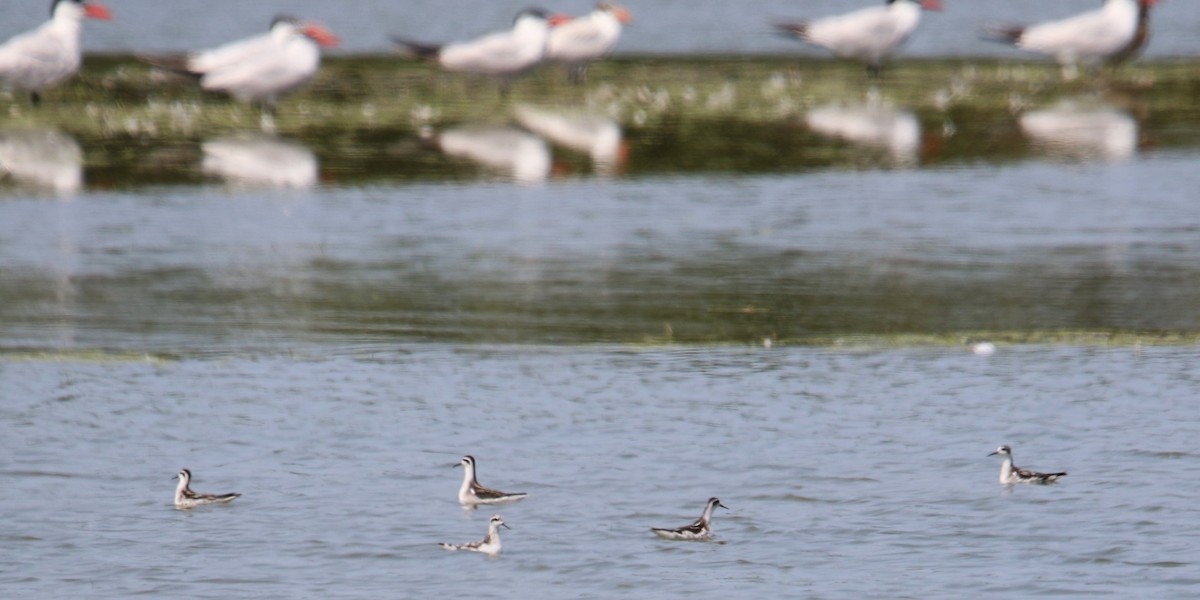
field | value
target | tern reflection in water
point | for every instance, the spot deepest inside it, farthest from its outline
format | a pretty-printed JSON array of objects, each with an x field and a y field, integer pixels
[
  {"x": 1079, "y": 130},
  {"x": 873, "y": 124},
  {"x": 260, "y": 160},
  {"x": 513, "y": 152},
  {"x": 45, "y": 159},
  {"x": 597, "y": 136}
]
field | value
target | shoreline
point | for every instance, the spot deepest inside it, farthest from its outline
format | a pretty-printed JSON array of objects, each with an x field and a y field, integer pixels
[{"x": 121, "y": 96}]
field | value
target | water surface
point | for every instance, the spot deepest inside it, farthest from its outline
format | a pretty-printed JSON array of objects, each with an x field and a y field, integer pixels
[
  {"x": 1028, "y": 247},
  {"x": 847, "y": 473}
]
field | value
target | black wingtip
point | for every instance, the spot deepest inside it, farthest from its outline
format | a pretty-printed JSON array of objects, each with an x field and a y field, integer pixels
[
  {"x": 417, "y": 49},
  {"x": 795, "y": 29},
  {"x": 1009, "y": 34},
  {"x": 177, "y": 64}
]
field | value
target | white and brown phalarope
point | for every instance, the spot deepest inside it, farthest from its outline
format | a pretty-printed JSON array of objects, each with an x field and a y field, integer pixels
[
  {"x": 1010, "y": 473},
  {"x": 489, "y": 545},
  {"x": 471, "y": 493},
  {"x": 186, "y": 498},
  {"x": 698, "y": 530}
]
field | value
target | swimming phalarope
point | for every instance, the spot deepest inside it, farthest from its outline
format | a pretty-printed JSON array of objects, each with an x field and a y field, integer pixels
[
  {"x": 699, "y": 530},
  {"x": 186, "y": 498},
  {"x": 1010, "y": 473},
  {"x": 489, "y": 545},
  {"x": 471, "y": 493}
]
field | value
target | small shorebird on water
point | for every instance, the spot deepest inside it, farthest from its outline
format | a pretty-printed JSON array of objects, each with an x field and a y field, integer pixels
[
  {"x": 1010, "y": 473},
  {"x": 489, "y": 545},
  {"x": 186, "y": 498},
  {"x": 471, "y": 493},
  {"x": 698, "y": 530}
]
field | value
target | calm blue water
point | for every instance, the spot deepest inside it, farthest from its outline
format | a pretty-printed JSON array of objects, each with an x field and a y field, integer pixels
[
  {"x": 695, "y": 26},
  {"x": 199, "y": 270},
  {"x": 847, "y": 473},
  {"x": 333, "y": 366}
]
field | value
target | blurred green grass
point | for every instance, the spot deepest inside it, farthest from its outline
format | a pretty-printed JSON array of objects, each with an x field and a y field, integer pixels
[
  {"x": 365, "y": 116},
  {"x": 115, "y": 95}
]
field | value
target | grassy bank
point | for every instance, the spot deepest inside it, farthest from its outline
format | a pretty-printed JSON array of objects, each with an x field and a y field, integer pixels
[
  {"x": 363, "y": 116},
  {"x": 361, "y": 95}
]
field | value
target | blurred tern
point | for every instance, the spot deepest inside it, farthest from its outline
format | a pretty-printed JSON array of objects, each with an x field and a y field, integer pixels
[
  {"x": 868, "y": 34},
  {"x": 1140, "y": 36},
  {"x": 504, "y": 54},
  {"x": 260, "y": 69},
  {"x": 41, "y": 58},
  {"x": 1104, "y": 34},
  {"x": 586, "y": 39}
]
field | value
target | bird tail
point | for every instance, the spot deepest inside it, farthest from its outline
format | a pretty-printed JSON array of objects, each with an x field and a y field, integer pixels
[
  {"x": 177, "y": 64},
  {"x": 797, "y": 29},
  {"x": 417, "y": 49},
  {"x": 1051, "y": 477},
  {"x": 1004, "y": 33}
]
